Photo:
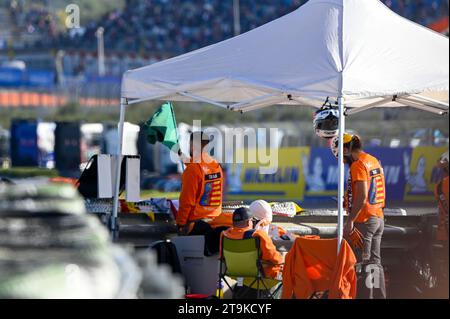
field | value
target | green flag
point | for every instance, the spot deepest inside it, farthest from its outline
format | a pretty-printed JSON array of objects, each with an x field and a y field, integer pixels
[{"x": 162, "y": 127}]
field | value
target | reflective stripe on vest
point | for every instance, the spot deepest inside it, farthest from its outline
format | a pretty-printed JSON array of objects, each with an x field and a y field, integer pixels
[
  {"x": 210, "y": 200},
  {"x": 376, "y": 193}
]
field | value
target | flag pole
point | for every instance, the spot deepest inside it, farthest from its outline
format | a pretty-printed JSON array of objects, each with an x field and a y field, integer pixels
[{"x": 178, "y": 136}]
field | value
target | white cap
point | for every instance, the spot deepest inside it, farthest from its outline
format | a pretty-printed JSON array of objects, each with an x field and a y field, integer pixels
[{"x": 260, "y": 209}]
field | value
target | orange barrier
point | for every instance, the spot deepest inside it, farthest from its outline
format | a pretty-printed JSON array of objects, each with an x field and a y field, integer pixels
[{"x": 35, "y": 99}]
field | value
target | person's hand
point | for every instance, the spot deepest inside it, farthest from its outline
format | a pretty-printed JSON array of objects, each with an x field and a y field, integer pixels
[
  {"x": 348, "y": 228},
  {"x": 180, "y": 229}
]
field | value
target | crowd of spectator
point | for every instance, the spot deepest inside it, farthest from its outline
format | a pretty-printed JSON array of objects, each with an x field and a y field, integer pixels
[
  {"x": 171, "y": 27},
  {"x": 34, "y": 20},
  {"x": 424, "y": 12},
  {"x": 177, "y": 26}
]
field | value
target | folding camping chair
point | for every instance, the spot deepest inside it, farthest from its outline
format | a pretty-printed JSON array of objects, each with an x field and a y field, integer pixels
[
  {"x": 313, "y": 270},
  {"x": 241, "y": 259}
]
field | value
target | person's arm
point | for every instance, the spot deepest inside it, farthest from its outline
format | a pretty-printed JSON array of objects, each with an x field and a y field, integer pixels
[
  {"x": 189, "y": 188},
  {"x": 445, "y": 188},
  {"x": 285, "y": 235},
  {"x": 268, "y": 249},
  {"x": 359, "y": 198}
]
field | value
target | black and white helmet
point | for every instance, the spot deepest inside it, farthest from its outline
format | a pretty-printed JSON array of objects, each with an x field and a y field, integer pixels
[{"x": 326, "y": 121}]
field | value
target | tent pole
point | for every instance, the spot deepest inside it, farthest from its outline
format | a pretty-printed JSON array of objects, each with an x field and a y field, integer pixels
[
  {"x": 114, "y": 220},
  {"x": 427, "y": 99},
  {"x": 421, "y": 106},
  {"x": 341, "y": 185}
]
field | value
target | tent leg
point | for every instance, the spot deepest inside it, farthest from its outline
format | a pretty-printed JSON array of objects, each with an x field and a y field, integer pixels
[
  {"x": 114, "y": 227},
  {"x": 341, "y": 185}
]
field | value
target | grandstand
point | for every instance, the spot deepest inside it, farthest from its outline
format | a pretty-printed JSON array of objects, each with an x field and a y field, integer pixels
[
  {"x": 141, "y": 32},
  {"x": 137, "y": 33},
  {"x": 184, "y": 26},
  {"x": 171, "y": 27}
]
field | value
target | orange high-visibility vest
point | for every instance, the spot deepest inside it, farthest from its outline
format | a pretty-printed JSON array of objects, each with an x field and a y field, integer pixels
[
  {"x": 201, "y": 191},
  {"x": 368, "y": 169}
]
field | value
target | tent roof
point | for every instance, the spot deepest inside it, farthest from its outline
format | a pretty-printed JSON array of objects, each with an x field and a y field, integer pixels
[{"x": 360, "y": 50}]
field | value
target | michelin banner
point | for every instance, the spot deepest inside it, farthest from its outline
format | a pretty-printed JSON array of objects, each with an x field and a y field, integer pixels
[
  {"x": 320, "y": 171},
  {"x": 312, "y": 174},
  {"x": 245, "y": 181}
]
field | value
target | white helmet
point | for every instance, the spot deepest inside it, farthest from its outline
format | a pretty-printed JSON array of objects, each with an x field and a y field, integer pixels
[
  {"x": 326, "y": 122},
  {"x": 260, "y": 209}
]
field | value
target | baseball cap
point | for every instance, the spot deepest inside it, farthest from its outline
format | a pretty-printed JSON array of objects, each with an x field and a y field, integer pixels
[{"x": 241, "y": 217}]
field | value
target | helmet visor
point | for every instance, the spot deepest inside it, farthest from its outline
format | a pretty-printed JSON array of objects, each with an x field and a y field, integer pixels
[{"x": 330, "y": 124}]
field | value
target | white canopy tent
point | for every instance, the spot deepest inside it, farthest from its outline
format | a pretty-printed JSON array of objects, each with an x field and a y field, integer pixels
[{"x": 356, "y": 52}]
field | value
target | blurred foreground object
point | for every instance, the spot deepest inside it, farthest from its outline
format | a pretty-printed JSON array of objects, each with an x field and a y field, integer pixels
[{"x": 50, "y": 248}]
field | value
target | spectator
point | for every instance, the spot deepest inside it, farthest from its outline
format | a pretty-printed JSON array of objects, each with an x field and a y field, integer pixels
[{"x": 172, "y": 27}]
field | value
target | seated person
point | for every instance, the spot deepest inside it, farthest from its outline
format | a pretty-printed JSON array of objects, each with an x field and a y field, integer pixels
[
  {"x": 262, "y": 220},
  {"x": 243, "y": 228}
]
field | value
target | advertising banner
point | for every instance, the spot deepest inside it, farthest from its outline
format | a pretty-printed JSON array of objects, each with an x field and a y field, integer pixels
[
  {"x": 421, "y": 173},
  {"x": 393, "y": 165},
  {"x": 320, "y": 171},
  {"x": 41, "y": 78},
  {"x": 312, "y": 174},
  {"x": 12, "y": 77},
  {"x": 245, "y": 181}
]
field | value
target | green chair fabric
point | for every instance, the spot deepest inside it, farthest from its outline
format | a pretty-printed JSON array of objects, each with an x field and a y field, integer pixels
[{"x": 241, "y": 259}]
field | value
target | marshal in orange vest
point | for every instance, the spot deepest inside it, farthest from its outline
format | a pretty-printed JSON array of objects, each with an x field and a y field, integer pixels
[
  {"x": 368, "y": 169},
  {"x": 201, "y": 191}
]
